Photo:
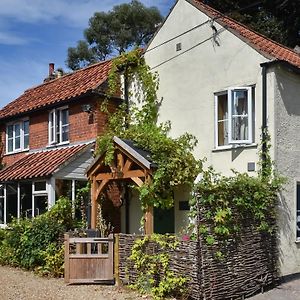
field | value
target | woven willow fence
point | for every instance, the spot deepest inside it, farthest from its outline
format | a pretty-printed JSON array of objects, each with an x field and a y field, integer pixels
[{"x": 249, "y": 267}]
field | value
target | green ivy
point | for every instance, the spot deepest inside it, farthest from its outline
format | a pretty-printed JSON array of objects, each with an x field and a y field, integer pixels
[
  {"x": 173, "y": 156},
  {"x": 226, "y": 204},
  {"x": 154, "y": 275}
]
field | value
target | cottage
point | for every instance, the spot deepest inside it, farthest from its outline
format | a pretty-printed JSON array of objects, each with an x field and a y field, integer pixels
[
  {"x": 48, "y": 136},
  {"x": 223, "y": 83}
]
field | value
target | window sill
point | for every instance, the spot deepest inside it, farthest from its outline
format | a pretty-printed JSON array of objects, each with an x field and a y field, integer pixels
[
  {"x": 16, "y": 152},
  {"x": 233, "y": 147},
  {"x": 58, "y": 145}
]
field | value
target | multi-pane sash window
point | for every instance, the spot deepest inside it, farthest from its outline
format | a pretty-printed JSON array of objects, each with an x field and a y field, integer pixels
[
  {"x": 59, "y": 126},
  {"x": 234, "y": 116},
  {"x": 17, "y": 136}
]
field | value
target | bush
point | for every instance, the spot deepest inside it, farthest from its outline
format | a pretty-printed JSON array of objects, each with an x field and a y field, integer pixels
[{"x": 37, "y": 243}]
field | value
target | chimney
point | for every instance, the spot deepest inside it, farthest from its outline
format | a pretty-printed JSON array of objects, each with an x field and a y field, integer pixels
[{"x": 51, "y": 69}]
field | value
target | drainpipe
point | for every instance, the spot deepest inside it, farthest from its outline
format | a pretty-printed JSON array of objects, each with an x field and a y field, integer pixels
[
  {"x": 264, "y": 111},
  {"x": 264, "y": 126}
]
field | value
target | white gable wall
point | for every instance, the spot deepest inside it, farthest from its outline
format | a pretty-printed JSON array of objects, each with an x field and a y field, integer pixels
[
  {"x": 287, "y": 156},
  {"x": 188, "y": 82}
]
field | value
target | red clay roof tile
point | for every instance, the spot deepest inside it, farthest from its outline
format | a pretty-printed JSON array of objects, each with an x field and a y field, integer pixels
[
  {"x": 264, "y": 45},
  {"x": 39, "y": 164},
  {"x": 59, "y": 90}
]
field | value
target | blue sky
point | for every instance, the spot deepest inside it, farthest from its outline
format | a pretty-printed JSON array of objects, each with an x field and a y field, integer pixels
[{"x": 36, "y": 32}]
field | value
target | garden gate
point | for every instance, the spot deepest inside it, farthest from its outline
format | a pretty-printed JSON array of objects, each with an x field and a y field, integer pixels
[{"x": 89, "y": 260}]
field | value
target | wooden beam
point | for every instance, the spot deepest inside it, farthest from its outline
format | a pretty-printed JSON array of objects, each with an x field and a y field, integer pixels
[
  {"x": 101, "y": 187},
  {"x": 120, "y": 161},
  {"x": 148, "y": 226},
  {"x": 94, "y": 204},
  {"x": 138, "y": 181},
  {"x": 127, "y": 165},
  {"x": 122, "y": 175}
]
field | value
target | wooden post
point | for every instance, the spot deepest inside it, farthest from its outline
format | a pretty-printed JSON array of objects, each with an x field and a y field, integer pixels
[
  {"x": 94, "y": 204},
  {"x": 116, "y": 260},
  {"x": 149, "y": 221},
  {"x": 67, "y": 259}
]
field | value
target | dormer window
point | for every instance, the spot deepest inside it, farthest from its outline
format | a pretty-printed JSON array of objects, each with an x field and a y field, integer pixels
[
  {"x": 17, "y": 136},
  {"x": 59, "y": 126}
]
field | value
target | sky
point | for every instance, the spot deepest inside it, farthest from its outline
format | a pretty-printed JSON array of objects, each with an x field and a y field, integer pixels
[{"x": 34, "y": 33}]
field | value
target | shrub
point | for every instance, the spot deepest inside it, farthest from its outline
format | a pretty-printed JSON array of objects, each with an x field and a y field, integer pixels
[{"x": 37, "y": 243}]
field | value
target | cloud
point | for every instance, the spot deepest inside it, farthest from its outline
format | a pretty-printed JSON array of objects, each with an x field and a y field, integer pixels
[
  {"x": 10, "y": 38},
  {"x": 74, "y": 13},
  {"x": 16, "y": 77}
]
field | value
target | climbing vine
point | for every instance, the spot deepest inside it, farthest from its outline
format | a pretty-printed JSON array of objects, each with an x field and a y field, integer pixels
[
  {"x": 152, "y": 267},
  {"x": 225, "y": 204},
  {"x": 175, "y": 163}
]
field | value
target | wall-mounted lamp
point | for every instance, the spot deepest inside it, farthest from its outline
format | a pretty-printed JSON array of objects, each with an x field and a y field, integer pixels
[{"x": 86, "y": 108}]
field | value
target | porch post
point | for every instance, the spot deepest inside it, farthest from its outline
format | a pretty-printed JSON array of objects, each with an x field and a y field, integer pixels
[
  {"x": 94, "y": 204},
  {"x": 148, "y": 226}
]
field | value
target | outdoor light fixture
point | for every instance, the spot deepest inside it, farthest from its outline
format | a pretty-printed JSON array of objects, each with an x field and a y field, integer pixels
[{"x": 86, "y": 108}]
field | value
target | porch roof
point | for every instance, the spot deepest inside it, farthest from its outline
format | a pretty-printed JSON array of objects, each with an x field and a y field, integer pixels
[{"x": 42, "y": 163}]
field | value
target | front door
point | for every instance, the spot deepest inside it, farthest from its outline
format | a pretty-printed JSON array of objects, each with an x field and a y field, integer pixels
[{"x": 163, "y": 220}]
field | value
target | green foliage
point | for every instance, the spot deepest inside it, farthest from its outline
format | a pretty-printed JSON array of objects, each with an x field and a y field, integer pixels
[
  {"x": 36, "y": 243},
  {"x": 226, "y": 204},
  {"x": 175, "y": 163},
  {"x": 127, "y": 25},
  {"x": 267, "y": 17},
  {"x": 154, "y": 276}
]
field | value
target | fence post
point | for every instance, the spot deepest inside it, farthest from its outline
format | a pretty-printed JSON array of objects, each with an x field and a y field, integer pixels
[
  {"x": 67, "y": 259},
  {"x": 116, "y": 259}
]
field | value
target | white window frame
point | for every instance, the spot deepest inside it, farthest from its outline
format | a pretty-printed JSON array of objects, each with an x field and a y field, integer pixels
[
  {"x": 53, "y": 131},
  {"x": 249, "y": 115},
  {"x": 22, "y": 136}
]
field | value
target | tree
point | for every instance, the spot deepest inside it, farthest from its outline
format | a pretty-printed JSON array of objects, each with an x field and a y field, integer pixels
[
  {"x": 276, "y": 19},
  {"x": 126, "y": 26}
]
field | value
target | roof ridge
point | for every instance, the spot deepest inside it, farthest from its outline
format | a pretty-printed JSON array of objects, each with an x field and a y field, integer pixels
[
  {"x": 219, "y": 15},
  {"x": 69, "y": 74}
]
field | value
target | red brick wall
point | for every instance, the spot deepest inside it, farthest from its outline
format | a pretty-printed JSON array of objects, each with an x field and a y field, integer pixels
[{"x": 83, "y": 126}]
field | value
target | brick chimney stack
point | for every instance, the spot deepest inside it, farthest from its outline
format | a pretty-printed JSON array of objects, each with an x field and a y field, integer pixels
[{"x": 51, "y": 69}]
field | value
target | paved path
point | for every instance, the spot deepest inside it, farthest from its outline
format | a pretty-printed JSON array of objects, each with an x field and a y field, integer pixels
[
  {"x": 16, "y": 284},
  {"x": 286, "y": 291}
]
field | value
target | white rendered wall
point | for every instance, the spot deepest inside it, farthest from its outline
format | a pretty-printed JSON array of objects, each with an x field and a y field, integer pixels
[
  {"x": 287, "y": 158},
  {"x": 188, "y": 82}
]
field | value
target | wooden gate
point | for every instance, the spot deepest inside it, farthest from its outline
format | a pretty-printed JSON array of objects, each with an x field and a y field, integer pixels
[{"x": 89, "y": 260}]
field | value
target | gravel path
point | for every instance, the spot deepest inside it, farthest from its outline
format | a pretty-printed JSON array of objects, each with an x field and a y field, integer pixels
[{"x": 16, "y": 284}]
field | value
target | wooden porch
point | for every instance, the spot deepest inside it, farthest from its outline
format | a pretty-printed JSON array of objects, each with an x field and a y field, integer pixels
[{"x": 129, "y": 164}]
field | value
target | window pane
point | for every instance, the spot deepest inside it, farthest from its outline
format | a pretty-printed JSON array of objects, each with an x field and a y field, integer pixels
[
  {"x": 222, "y": 120},
  {"x": 17, "y": 142},
  {"x": 65, "y": 116},
  {"x": 223, "y": 133},
  {"x": 40, "y": 204},
  {"x": 26, "y": 199},
  {"x": 10, "y": 145},
  {"x": 40, "y": 186},
  {"x": 65, "y": 133},
  {"x": 17, "y": 130},
  {"x": 240, "y": 103},
  {"x": 239, "y": 128},
  {"x": 11, "y": 202},
  {"x": 26, "y": 141},
  {"x": 63, "y": 188},
  {"x": 26, "y": 127},
  {"x": 10, "y": 131}
]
